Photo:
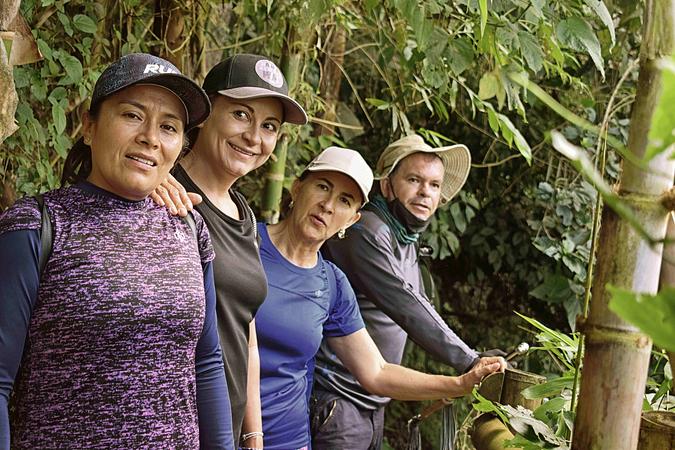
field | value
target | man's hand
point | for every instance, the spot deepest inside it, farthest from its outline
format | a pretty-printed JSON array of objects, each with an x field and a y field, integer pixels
[
  {"x": 172, "y": 194},
  {"x": 484, "y": 366}
]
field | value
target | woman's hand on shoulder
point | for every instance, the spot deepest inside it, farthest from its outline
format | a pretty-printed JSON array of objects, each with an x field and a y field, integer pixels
[{"x": 173, "y": 195}]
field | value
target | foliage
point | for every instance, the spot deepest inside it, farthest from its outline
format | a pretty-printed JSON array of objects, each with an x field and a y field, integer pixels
[
  {"x": 516, "y": 237},
  {"x": 653, "y": 314}
]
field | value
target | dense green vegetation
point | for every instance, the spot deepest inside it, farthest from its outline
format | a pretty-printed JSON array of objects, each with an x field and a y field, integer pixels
[{"x": 495, "y": 75}]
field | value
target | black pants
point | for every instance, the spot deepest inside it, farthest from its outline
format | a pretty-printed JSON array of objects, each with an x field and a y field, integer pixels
[{"x": 338, "y": 424}]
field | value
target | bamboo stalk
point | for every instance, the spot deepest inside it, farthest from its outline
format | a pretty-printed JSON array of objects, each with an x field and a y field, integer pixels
[
  {"x": 291, "y": 61},
  {"x": 617, "y": 354}
]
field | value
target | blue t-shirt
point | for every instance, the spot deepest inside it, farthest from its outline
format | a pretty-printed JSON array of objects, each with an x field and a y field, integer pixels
[{"x": 302, "y": 306}]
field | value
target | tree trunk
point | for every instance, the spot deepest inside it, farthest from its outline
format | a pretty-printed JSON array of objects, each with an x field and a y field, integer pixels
[
  {"x": 333, "y": 58},
  {"x": 8, "y": 98},
  {"x": 668, "y": 274},
  {"x": 291, "y": 61},
  {"x": 170, "y": 26},
  {"x": 617, "y": 354}
]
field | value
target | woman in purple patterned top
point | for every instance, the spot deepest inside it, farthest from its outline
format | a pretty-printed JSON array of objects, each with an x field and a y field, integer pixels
[{"x": 103, "y": 349}]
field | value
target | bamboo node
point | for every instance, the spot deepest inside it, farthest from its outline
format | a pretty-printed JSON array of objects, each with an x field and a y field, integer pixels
[
  {"x": 596, "y": 334},
  {"x": 668, "y": 199},
  {"x": 275, "y": 176}
]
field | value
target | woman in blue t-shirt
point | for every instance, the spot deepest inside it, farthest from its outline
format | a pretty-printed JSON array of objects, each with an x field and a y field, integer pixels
[{"x": 310, "y": 298}]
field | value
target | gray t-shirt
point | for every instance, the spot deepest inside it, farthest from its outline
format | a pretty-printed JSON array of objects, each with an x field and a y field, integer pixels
[
  {"x": 386, "y": 277},
  {"x": 241, "y": 287}
]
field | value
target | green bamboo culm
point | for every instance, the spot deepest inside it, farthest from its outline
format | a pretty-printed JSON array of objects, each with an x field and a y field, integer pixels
[{"x": 291, "y": 61}]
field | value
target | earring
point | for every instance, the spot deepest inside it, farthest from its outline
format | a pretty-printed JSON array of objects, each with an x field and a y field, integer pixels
[
  {"x": 87, "y": 140},
  {"x": 341, "y": 233},
  {"x": 291, "y": 204}
]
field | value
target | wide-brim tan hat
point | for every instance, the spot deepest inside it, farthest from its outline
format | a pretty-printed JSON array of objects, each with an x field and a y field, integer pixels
[{"x": 456, "y": 161}]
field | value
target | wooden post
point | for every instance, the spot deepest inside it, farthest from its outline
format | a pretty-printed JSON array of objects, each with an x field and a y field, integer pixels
[{"x": 617, "y": 354}]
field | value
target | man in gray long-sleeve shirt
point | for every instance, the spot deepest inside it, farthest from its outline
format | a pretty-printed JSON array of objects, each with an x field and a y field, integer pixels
[{"x": 379, "y": 255}]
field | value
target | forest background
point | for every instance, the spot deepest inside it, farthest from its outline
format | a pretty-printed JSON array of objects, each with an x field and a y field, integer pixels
[{"x": 497, "y": 76}]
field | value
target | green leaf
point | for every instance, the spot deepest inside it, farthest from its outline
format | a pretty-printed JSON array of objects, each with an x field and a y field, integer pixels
[
  {"x": 661, "y": 135},
  {"x": 21, "y": 77},
  {"x": 379, "y": 104},
  {"x": 39, "y": 89},
  {"x": 73, "y": 68},
  {"x": 549, "y": 389},
  {"x": 460, "y": 55},
  {"x": 493, "y": 121},
  {"x": 483, "y": 15},
  {"x": 523, "y": 422},
  {"x": 553, "y": 406},
  {"x": 59, "y": 117},
  {"x": 601, "y": 10},
  {"x": 488, "y": 86},
  {"x": 44, "y": 49},
  {"x": 484, "y": 405},
  {"x": 578, "y": 34},
  {"x": 458, "y": 217},
  {"x": 531, "y": 51},
  {"x": 511, "y": 133},
  {"x": 65, "y": 21},
  {"x": 653, "y": 314},
  {"x": 84, "y": 23}
]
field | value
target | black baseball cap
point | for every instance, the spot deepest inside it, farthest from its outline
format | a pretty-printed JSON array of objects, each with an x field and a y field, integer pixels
[
  {"x": 247, "y": 76},
  {"x": 142, "y": 68}
]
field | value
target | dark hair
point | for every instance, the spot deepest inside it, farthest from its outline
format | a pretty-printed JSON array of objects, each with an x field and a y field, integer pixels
[{"x": 78, "y": 163}]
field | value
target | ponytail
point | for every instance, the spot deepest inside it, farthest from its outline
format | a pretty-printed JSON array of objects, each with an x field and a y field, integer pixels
[{"x": 78, "y": 164}]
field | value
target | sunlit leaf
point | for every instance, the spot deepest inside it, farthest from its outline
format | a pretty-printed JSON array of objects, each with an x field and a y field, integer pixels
[
  {"x": 603, "y": 13},
  {"x": 548, "y": 389},
  {"x": 661, "y": 136},
  {"x": 653, "y": 314},
  {"x": 488, "y": 86},
  {"x": 483, "y": 15},
  {"x": 509, "y": 131}
]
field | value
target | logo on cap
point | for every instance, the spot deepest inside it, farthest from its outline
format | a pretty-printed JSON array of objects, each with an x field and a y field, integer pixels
[
  {"x": 269, "y": 73},
  {"x": 158, "y": 68}
]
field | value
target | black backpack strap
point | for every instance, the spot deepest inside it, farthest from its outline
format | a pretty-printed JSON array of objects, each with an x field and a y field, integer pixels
[
  {"x": 190, "y": 220},
  {"x": 46, "y": 233},
  {"x": 253, "y": 219}
]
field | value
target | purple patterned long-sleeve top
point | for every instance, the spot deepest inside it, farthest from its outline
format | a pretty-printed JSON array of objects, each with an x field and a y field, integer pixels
[{"x": 116, "y": 341}]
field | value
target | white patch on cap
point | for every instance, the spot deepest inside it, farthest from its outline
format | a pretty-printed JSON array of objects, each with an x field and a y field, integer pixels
[
  {"x": 269, "y": 73},
  {"x": 158, "y": 68}
]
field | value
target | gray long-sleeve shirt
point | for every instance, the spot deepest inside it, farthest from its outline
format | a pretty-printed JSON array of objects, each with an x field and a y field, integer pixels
[{"x": 386, "y": 277}]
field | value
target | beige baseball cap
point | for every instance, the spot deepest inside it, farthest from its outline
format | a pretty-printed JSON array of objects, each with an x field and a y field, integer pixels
[
  {"x": 347, "y": 161},
  {"x": 456, "y": 160}
]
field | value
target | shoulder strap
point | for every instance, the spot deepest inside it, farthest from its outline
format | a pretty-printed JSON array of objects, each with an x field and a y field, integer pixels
[
  {"x": 46, "y": 233},
  {"x": 190, "y": 220},
  {"x": 253, "y": 219}
]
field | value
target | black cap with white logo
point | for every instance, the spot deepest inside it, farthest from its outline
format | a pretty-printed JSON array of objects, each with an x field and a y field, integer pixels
[
  {"x": 142, "y": 68},
  {"x": 246, "y": 76}
]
